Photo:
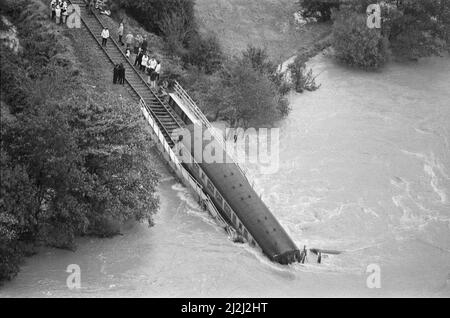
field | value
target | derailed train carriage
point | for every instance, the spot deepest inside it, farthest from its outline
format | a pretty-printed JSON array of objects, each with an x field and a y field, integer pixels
[{"x": 235, "y": 198}]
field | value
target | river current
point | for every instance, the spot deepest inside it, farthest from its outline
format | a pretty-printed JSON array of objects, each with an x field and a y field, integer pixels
[{"x": 364, "y": 167}]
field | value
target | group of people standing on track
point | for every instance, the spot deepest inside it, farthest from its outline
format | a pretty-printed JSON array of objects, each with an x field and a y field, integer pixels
[
  {"x": 59, "y": 11},
  {"x": 137, "y": 46},
  {"x": 149, "y": 65}
]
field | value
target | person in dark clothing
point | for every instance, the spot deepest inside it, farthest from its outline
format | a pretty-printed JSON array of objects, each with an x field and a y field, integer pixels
[
  {"x": 139, "y": 56},
  {"x": 304, "y": 255},
  {"x": 91, "y": 6},
  {"x": 116, "y": 74},
  {"x": 121, "y": 74}
]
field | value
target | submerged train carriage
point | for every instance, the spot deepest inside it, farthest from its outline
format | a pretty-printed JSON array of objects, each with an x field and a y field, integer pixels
[
  {"x": 236, "y": 199},
  {"x": 222, "y": 186}
]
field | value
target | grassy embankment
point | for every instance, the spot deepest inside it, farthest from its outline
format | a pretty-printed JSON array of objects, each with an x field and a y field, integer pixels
[{"x": 262, "y": 23}]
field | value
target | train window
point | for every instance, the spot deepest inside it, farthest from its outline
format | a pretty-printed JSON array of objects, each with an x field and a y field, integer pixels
[
  {"x": 233, "y": 219},
  {"x": 219, "y": 198},
  {"x": 240, "y": 226},
  {"x": 227, "y": 209},
  {"x": 253, "y": 243},
  {"x": 245, "y": 234},
  {"x": 211, "y": 186}
]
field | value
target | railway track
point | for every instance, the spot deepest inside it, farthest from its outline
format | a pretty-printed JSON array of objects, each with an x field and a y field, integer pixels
[{"x": 166, "y": 118}]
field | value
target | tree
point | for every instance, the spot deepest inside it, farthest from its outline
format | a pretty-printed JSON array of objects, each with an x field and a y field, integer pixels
[
  {"x": 18, "y": 196},
  {"x": 259, "y": 60},
  {"x": 410, "y": 28},
  {"x": 357, "y": 45},
  {"x": 205, "y": 53},
  {"x": 302, "y": 79},
  {"x": 246, "y": 97},
  {"x": 417, "y": 28},
  {"x": 319, "y": 9},
  {"x": 116, "y": 149},
  {"x": 153, "y": 14}
]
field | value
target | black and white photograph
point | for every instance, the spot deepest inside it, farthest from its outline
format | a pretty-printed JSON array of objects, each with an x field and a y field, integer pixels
[{"x": 215, "y": 152}]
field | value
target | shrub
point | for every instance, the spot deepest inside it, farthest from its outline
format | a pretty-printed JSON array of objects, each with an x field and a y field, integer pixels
[
  {"x": 172, "y": 70},
  {"x": 205, "y": 53},
  {"x": 177, "y": 31},
  {"x": 153, "y": 14},
  {"x": 302, "y": 79},
  {"x": 417, "y": 28},
  {"x": 318, "y": 8},
  {"x": 258, "y": 59},
  {"x": 357, "y": 45}
]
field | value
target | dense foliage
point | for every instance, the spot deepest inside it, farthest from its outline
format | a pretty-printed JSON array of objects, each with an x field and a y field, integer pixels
[
  {"x": 357, "y": 45},
  {"x": 318, "y": 8},
  {"x": 247, "y": 91},
  {"x": 74, "y": 160},
  {"x": 301, "y": 77},
  {"x": 417, "y": 29},
  {"x": 153, "y": 13},
  {"x": 410, "y": 28}
]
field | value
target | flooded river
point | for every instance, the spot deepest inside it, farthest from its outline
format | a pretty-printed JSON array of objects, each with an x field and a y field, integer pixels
[{"x": 364, "y": 168}]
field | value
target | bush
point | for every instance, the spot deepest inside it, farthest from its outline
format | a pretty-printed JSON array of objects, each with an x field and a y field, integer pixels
[
  {"x": 318, "y": 9},
  {"x": 258, "y": 59},
  {"x": 177, "y": 30},
  {"x": 205, "y": 53},
  {"x": 154, "y": 14},
  {"x": 417, "y": 28},
  {"x": 357, "y": 45},
  {"x": 413, "y": 29},
  {"x": 302, "y": 79}
]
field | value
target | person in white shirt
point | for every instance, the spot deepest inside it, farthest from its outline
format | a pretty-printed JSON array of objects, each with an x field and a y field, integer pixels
[
  {"x": 58, "y": 14},
  {"x": 151, "y": 65},
  {"x": 120, "y": 33},
  {"x": 144, "y": 61},
  {"x": 105, "y": 37},
  {"x": 53, "y": 7},
  {"x": 155, "y": 74},
  {"x": 64, "y": 12},
  {"x": 129, "y": 40}
]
